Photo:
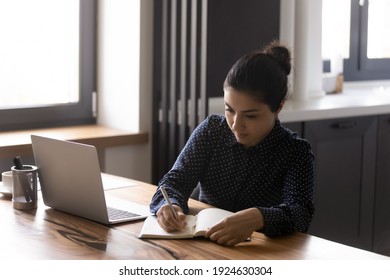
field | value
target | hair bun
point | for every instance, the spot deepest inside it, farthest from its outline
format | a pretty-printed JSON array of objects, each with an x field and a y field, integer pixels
[{"x": 281, "y": 54}]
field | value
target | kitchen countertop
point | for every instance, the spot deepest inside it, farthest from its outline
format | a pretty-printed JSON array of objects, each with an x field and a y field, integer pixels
[{"x": 357, "y": 99}]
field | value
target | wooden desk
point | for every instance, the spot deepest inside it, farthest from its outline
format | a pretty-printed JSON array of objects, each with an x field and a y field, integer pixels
[{"x": 45, "y": 233}]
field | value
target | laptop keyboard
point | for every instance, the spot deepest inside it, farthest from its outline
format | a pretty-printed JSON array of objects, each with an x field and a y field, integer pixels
[{"x": 118, "y": 214}]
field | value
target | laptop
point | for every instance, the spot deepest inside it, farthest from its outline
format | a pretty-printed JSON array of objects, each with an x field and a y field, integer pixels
[{"x": 71, "y": 181}]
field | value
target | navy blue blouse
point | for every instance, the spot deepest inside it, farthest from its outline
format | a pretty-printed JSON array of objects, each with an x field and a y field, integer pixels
[{"x": 275, "y": 176}]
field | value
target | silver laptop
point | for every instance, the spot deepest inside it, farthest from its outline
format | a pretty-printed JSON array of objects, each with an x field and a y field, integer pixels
[{"x": 71, "y": 181}]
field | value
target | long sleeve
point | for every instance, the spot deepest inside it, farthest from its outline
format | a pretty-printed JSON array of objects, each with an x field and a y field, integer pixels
[{"x": 295, "y": 211}]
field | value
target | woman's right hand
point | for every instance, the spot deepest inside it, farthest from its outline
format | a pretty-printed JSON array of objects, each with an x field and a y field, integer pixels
[{"x": 167, "y": 220}]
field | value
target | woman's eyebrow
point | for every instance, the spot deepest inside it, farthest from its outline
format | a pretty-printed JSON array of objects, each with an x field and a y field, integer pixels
[
  {"x": 227, "y": 104},
  {"x": 245, "y": 111}
]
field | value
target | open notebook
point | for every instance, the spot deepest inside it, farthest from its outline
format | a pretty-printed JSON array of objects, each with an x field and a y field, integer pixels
[{"x": 196, "y": 225}]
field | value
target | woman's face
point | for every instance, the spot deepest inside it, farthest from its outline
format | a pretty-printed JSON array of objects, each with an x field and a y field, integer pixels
[{"x": 250, "y": 120}]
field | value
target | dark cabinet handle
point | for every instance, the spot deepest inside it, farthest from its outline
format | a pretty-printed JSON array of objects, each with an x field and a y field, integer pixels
[{"x": 344, "y": 125}]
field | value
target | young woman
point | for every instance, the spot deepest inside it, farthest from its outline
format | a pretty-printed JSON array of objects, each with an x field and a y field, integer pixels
[{"x": 246, "y": 161}]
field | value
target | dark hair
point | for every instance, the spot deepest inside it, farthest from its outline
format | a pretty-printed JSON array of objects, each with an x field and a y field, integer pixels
[{"x": 263, "y": 74}]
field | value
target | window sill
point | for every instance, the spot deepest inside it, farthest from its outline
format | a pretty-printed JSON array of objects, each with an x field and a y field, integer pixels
[{"x": 14, "y": 143}]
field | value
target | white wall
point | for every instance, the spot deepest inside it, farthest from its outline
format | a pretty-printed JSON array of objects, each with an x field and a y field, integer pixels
[{"x": 125, "y": 47}]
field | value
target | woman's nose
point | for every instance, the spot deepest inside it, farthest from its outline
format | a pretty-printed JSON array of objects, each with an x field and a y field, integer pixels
[{"x": 238, "y": 123}]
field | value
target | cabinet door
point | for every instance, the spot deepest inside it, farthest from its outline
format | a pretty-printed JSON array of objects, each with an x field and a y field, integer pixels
[
  {"x": 344, "y": 179},
  {"x": 295, "y": 127},
  {"x": 233, "y": 29},
  {"x": 382, "y": 196}
]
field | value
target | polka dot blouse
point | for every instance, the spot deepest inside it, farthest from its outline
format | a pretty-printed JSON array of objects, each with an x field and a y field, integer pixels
[{"x": 276, "y": 176}]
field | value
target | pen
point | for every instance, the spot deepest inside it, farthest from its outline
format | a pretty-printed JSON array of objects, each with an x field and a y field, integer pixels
[
  {"x": 25, "y": 182},
  {"x": 164, "y": 192}
]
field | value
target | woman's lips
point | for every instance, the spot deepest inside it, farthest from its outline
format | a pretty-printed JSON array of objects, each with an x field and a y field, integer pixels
[{"x": 241, "y": 135}]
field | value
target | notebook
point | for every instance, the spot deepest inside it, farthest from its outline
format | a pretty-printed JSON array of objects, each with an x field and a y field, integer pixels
[
  {"x": 195, "y": 225},
  {"x": 71, "y": 181}
]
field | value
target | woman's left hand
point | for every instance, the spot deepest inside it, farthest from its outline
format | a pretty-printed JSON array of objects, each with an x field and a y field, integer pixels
[{"x": 236, "y": 228}]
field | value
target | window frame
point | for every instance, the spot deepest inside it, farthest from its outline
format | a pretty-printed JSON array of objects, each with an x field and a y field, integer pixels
[
  {"x": 358, "y": 66},
  {"x": 65, "y": 114}
]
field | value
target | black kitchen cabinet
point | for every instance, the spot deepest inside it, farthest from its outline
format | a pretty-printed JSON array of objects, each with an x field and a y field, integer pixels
[
  {"x": 296, "y": 127},
  {"x": 235, "y": 28},
  {"x": 345, "y": 155},
  {"x": 382, "y": 194}
]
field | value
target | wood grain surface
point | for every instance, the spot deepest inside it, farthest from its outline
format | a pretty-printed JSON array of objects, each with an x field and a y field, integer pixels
[{"x": 45, "y": 233}]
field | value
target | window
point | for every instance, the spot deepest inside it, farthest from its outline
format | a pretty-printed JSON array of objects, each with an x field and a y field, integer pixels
[
  {"x": 378, "y": 26},
  {"x": 48, "y": 62},
  {"x": 356, "y": 31}
]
